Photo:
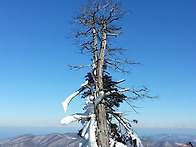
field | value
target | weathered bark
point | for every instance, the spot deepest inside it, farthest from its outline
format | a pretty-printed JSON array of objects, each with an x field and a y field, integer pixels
[
  {"x": 100, "y": 110},
  {"x": 102, "y": 131},
  {"x": 95, "y": 46},
  {"x": 101, "y": 58}
]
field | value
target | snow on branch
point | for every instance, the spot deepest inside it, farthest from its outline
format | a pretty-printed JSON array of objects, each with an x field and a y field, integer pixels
[
  {"x": 120, "y": 81},
  {"x": 129, "y": 130},
  {"x": 76, "y": 117},
  {"x": 78, "y": 67},
  {"x": 139, "y": 93},
  {"x": 99, "y": 98},
  {"x": 68, "y": 99},
  {"x": 88, "y": 132}
]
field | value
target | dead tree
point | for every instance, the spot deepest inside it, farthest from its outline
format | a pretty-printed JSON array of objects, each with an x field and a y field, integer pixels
[{"x": 103, "y": 95}]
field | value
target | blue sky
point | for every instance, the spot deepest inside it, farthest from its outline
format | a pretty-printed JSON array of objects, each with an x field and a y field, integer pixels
[{"x": 34, "y": 52}]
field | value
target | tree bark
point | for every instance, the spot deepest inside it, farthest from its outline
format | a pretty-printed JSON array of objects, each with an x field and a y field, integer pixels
[
  {"x": 102, "y": 131},
  {"x": 100, "y": 110}
]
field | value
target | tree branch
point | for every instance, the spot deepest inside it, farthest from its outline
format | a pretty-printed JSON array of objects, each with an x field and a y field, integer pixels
[
  {"x": 69, "y": 98},
  {"x": 78, "y": 67}
]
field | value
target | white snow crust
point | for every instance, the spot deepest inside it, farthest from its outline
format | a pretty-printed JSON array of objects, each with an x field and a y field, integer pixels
[
  {"x": 88, "y": 133},
  {"x": 88, "y": 119},
  {"x": 117, "y": 144}
]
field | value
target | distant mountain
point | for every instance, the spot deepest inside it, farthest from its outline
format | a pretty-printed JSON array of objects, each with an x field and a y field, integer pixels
[
  {"x": 72, "y": 140},
  {"x": 147, "y": 143},
  {"x": 51, "y": 140},
  {"x": 174, "y": 138}
]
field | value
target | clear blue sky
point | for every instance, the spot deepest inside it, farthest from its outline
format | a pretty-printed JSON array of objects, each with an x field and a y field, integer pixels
[{"x": 34, "y": 52}]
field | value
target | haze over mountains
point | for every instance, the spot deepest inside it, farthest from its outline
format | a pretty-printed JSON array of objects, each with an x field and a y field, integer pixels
[{"x": 72, "y": 140}]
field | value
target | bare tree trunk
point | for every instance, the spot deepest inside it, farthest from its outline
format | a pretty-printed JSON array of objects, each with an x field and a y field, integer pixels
[
  {"x": 95, "y": 47},
  {"x": 102, "y": 131},
  {"x": 100, "y": 111}
]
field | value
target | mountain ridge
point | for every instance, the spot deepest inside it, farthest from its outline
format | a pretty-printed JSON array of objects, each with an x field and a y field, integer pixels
[
  {"x": 50, "y": 140},
  {"x": 72, "y": 140},
  {"x": 176, "y": 138}
]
